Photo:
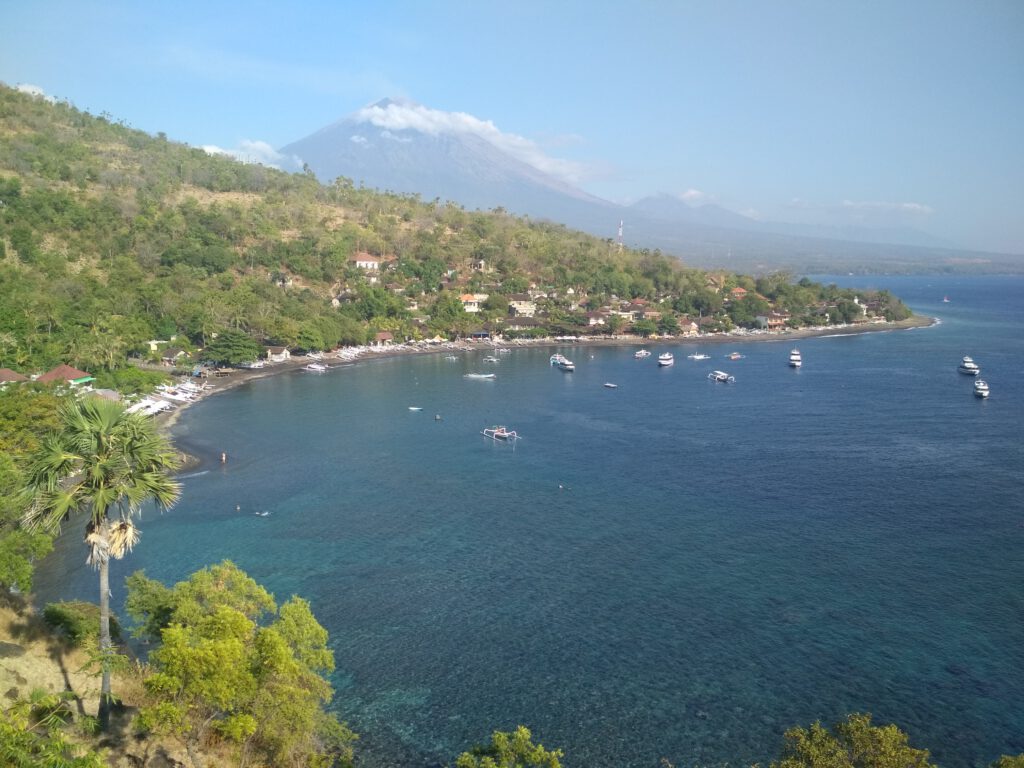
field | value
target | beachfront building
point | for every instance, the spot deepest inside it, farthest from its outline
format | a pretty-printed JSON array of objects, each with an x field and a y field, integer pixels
[
  {"x": 278, "y": 354},
  {"x": 383, "y": 339}
]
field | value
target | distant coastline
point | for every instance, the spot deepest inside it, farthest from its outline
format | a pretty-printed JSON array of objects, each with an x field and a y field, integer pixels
[{"x": 243, "y": 376}]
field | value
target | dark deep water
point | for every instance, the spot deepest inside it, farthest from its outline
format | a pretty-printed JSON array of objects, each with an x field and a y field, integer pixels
[{"x": 671, "y": 568}]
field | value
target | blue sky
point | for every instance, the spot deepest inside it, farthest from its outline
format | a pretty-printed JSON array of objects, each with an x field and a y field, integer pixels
[{"x": 897, "y": 113}]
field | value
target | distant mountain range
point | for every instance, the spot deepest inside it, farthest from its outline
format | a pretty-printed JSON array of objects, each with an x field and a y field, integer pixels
[{"x": 387, "y": 146}]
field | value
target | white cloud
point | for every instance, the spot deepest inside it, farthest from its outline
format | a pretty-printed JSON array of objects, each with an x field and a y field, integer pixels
[
  {"x": 357, "y": 139},
  {"x": 415, "y": 117},
  {"x": 882, "y": 207},
  {"x": 393, "y": 137},
  {"x": 35, "y": 90},
  {"x": 260, "y": 152},
  {"x": 692, "y": 196}
]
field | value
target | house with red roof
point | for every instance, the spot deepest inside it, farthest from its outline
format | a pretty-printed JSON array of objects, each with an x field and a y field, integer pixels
[
  {"x": 7, "y": 375},
  {"x": 66, "y": 374}
]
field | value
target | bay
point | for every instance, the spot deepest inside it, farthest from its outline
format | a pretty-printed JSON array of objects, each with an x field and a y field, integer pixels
[{"x": 672, "y": 568}]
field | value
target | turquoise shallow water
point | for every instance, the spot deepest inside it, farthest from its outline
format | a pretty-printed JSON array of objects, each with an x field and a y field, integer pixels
[{"x": 671, "y": 568}]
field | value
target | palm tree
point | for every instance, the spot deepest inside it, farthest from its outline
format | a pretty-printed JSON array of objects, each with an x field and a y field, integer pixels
[{"x": 106, "y": 462}]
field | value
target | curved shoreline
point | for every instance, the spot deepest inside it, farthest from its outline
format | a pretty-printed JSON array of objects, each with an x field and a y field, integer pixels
[{"x": 243, "y": 376}]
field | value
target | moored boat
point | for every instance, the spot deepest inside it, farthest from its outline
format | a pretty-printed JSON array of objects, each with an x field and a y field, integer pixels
[
  {"x": 491, "y": 359},
  {"x": 499, "y": 433},
  {"x": 969, "y": 367},
  {"x": 735, "y": 356},
  {"x": 980, "y": 388},
  {"x": 699, "y": 356},
  {"x": 478, "y": 376},
  {"x": 563, "y": 363},
  {"x": 721, "y": 376},
  {"x": 640, "y": 354},
  {"x": 795, "y": 361},
  {"x": 610, "y": 385},
  {"x": 666, "y": 358}
]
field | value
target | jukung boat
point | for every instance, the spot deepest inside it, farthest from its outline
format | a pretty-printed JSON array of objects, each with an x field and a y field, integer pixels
[
  {"x": 721, "y": 376},
  {"x": 499, "y": 433}
]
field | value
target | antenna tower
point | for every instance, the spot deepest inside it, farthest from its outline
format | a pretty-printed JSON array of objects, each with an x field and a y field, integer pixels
[{"x": 620, "y": 235}]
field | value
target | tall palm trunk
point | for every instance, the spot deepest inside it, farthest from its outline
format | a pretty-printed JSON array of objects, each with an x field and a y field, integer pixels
[{"x": 105, "y": 643}]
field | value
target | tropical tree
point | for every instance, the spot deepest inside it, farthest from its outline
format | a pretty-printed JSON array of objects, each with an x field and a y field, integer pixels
[
  {"x": 510, "y": 750},
  {"x": 104, "y": 462}
]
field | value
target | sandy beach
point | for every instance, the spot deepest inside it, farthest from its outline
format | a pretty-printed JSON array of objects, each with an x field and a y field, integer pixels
[{"x": 346, "y": 357}]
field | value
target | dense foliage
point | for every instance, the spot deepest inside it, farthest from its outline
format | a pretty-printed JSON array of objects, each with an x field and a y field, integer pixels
[
  {"x": 233, "y": 666},
  {"x": 33, "y": 735}
]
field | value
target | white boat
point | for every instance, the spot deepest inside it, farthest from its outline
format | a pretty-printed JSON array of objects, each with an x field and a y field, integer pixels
[
  {"x": 640, "y": 354},
  {"x": 699, "y": 356},
  {"x": 610, "y": 385},
  {"x": 478, "y": 376},
  {"x": 315, "y": 367},
  {"x": 969, "y": 367},
  {"x": 980, "y": 388},
  {"x": 735, "y": 356},
  {"x": 794, "y": 358},
  {"x": 499, "y": 433},
  {"x": 945, "y": 299},
  {"x": 666, "y": 358},
  {"x": 491, "y": 359},
  {"x": 563, "y": 363},
  {"x": 415, "y": 408},
  {"x": 451, "y": 357},
  {"x": 721, "y": 376}
]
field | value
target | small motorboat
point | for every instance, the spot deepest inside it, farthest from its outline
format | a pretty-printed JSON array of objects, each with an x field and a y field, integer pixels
[
  {"x": 609, "y": 385},
  {"x": 491, "y": 359},
  {"x": 415, "y": 408},
  {"x": 666, "y": 358},
  {"x": 499, "y": 433},
  {"x": 699, "y": 356},
  {"x": 721, "y": 376},
  {"x": 969, "y": 367},
  {"x": 640, "y": 354},
  {"x": 980, "y": 388},
  {"x": 735, "y": 356},
  {"x": 478, "y": 376}
]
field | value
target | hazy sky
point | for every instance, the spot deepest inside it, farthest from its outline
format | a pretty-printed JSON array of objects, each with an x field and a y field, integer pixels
[{"x": 897, "y": 113}]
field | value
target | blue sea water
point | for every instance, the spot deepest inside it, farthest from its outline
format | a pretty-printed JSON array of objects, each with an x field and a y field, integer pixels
[{"x": 673, "y": 568}]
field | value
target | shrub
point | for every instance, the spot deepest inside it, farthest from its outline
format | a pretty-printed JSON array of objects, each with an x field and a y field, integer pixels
[{"x": 78, "y": 621}]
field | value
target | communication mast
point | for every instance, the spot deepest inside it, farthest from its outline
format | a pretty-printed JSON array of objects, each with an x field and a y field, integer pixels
[{"x": 620, "y": 235}]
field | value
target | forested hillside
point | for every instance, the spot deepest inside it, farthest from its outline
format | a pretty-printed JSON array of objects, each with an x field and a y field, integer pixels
[{"x": 110, "y": 237}]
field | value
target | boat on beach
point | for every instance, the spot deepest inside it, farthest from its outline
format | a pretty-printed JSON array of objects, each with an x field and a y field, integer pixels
[
  {"x": 969, "y": 367},
  {"x": 795, "y": 361},
  {"x": 980, "y": 388},
  {"x": 315, "y": 367},
  {"x": 721, "y": 376},
  {"x": 666, "y": 358},
  {"x": 499, "y": 433}
]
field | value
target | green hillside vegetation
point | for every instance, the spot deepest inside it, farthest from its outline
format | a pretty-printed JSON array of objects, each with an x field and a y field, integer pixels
[{"x": 110, "y": 237}]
